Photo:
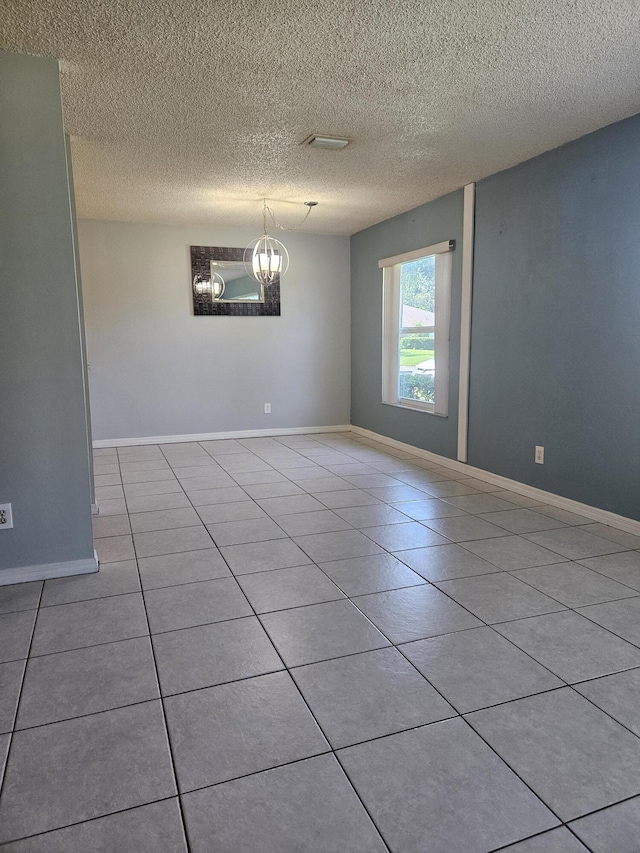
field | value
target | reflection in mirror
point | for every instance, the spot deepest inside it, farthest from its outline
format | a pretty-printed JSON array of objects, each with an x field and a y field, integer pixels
[{"x": 238, "y": 286}]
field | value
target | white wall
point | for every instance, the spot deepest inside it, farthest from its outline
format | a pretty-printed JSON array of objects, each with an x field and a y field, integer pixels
[{"x": 155, "y": 369}]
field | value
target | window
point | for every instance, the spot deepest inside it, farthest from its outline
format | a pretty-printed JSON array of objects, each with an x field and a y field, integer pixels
[{"x": 415, "y": 328}]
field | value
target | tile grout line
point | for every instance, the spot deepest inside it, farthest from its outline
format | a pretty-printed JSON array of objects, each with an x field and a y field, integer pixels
[{"x": 161, "y": 698}]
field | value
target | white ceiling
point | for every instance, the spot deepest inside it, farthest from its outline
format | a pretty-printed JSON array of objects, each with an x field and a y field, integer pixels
[{"x": 192, "y": 111}]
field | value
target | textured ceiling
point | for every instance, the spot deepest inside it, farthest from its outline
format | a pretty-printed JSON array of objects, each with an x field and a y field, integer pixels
[{"x": 192, "y": 111}]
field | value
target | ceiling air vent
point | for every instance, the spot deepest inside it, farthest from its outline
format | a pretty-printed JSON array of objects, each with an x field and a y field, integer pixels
[{"x": 335, "y": 143}]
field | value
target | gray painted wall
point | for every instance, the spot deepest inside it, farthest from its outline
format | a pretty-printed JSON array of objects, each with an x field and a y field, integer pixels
[
  {"x": 555, "y": 355},
  {"x": 155, "y": 369},
  {"x": 432, "y": 223},
  {"x": 44, "y": 469}
]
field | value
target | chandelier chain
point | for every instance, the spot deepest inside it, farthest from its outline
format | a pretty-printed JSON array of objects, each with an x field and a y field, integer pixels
[{"x": 267, "y": 210}]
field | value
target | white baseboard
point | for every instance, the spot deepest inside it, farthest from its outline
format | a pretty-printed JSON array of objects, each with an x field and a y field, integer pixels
[
  {"x": 594, "y": 513},
  {"x": 22, "y": 574},
  {"x": 214, "y": 436}
]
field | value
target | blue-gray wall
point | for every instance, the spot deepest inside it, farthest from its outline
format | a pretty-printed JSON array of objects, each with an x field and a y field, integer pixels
[
  {"x": 432, "y": 223},
  {"x": 555, "y": 352},
  {"x": 44, "y": 469}
]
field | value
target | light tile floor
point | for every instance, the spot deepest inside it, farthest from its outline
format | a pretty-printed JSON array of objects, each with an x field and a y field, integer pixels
[{"x": 312, "y": 643}]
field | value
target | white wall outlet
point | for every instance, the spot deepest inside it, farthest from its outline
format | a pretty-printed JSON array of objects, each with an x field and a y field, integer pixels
[
  {"x": 539, "y": 457},
  {"x": 267, "y": 408},
  {"x": 6, "y": 517}
]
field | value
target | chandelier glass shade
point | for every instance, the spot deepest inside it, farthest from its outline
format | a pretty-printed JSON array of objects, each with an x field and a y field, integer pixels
[{"x": 266, "y": 259}]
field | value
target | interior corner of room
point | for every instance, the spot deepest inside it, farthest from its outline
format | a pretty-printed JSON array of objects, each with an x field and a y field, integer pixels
[{"x": 543, "y": 347}]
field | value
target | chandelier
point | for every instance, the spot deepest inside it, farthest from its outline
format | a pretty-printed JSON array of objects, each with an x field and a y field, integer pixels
[{"x": 267, "y": 259}]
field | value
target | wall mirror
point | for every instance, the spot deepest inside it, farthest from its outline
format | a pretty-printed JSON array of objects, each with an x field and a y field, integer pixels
[{"x": 221, "y": 285}]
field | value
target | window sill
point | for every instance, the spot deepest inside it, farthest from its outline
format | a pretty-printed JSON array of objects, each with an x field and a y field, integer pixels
[{"x": 418, "y": 409}]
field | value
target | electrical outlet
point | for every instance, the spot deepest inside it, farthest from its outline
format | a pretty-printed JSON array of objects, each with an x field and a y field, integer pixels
[
  {"x": 6, "y": 517},
  {"x": 267, "y": 408},
  {"x": 539, "y": 457}
]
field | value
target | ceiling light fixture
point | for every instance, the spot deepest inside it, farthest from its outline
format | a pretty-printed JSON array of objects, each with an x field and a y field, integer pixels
[
  {"x": 335, "y": 143},
  {"x": 266, "y": 258}
]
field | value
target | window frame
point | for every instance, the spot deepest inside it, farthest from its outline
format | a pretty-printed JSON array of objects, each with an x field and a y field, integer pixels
[{"x": 392, "y": 331}]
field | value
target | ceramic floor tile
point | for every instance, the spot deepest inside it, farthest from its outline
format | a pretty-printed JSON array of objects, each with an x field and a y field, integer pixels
[
  {"x": 521, "y": 520},
  {"x": 185, "y": 606},
  {"x": 400, "y": 492},
  {"x": 15, "y": 634},
  {"x": 20, "y": 596},
  {"x": 207, "y": 497},
  {"x": 325, "y": 547},
  {"x": 512, "y": 552},
  {"x": 125, "y": 762},
  {"x": 217, "y": 480},
  {"x": 307, "y": 806},
  {"x": 619, "y": 825},
  {"x": 362, "y": 575},
  {"x": 477, "y": 668},
  {"x": 112, "y": 579},
  {"x": 85, "y": 681},
  {"x": 148, "y": 476},
  {"x": 421, "y": 510},
  {"x": 480, "y": 503},
  {"x": 256, "y": 478},
  {"x": 264, "y": 556},
  {"x": 201, "y": 469},
  {"x": 575, "y": 757},
  {"x": 112, "y": 507},
  {"x": 106, "y": 493},
  {"x": 563, "y": 514},
  {"x": 164, "y": 519},
  {"x": 160, "y": 542},
  {"x": 284, "y": 588},
  {"x": 574, "y": 585},
  {"x": 244, "y": 532},
  {"x": 110, "y": 525},
  {"x": 87, "y": 623},
  {"x": 236, "y": 511},
  {"x": 113, "y": 549},
  {"x": 213, "y": 654},
  {"x": 145, "y": 490},
  {"x": 464, "y": 528},
  {"x": 144, "y": 465},
  {"x": 186, "y": 567},
  {"x": 10, "y": 685},
  {"x": 621, "y": 537},
  {"x": 443, "y": 783},
  {"x": 155, "y": 828},
  {"x": 402, "y": 537},
  {"x": 317, "y": 485},
  {"x": 368, "y": 695},
  {"x": 480, "y": 485},
  {"x": 415, "y": 612},
  {"x": 271, "y": 491},
  {"x": 276, "y": 506},
  {"x": 303, "y": 523},
  {"x": 617, "y": 695},
  {"x": 321, "y": 631},
  {"x": 372, "y": 516},
  {"x": 231, "y": 730},
  {"x": 347, "y": 498},
  {"x": 444, "y": 562},
  {"x": 556, "y": 841},
  {"x": 571, "y": 646},
  {"x": 449, "y": 488},
  {"x": 154, "y": 503},
  {"x": 498, "y": 597},
  {"x": 623, "y": 567},
  {"x": 518, "y": 499},
  {"x": 371, "y": 481},
  {"x": 619, "y": 617},
  {"x": 574, "y": 543}
]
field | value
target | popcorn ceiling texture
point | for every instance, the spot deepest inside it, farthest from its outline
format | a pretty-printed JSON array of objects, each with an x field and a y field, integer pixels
[{"x": 192, "y": 111}]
